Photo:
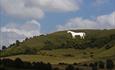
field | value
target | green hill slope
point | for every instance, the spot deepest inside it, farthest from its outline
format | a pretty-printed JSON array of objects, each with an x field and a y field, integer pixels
[{"x": 97, "y": 44}]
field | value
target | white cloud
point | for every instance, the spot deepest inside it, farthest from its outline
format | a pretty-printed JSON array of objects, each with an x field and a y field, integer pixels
[
  {"x": 35, "y": 9},
  {"x": 107, "y": 19},
  {"x": 12, "y": 32},
  {"x": 27, "y": 29},
  {"x": 19, "y": 9},
  {"x": 60, "y": 5},
  {"x": 101, "y": 22}
]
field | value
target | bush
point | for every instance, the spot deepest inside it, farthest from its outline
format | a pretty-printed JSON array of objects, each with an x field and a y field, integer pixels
[
  {"x": 56, "y": 68},
  {"x": 30, "y": 50},
  {"x": 70, "y": 67},
  {"x": 101, "y": 64},
  {"x": 68, "y": 55},
  {"x": 19, "y": 64},
  {"x": 109, "y": 64}
]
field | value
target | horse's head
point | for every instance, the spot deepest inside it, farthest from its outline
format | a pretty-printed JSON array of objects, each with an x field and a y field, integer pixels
[{"x": 69, "y": 31}]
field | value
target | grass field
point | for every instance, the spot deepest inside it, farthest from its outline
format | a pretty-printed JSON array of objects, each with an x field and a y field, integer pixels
[{"x": 68, "y": 56}]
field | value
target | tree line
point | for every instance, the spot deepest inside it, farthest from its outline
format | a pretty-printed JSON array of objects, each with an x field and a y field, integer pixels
[{"x": 8, "y": 64}]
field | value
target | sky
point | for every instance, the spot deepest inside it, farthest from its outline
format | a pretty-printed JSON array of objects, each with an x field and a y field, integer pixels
[{"x": 26, "y": 18}]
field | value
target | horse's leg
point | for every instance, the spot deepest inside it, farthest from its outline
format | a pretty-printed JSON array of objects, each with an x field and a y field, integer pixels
[
  {"x": 82, "y": 36},
  {"x": 73, "y": 36}
]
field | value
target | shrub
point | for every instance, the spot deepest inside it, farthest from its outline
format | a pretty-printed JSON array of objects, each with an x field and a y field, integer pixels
[
  {"x": 109, "y": 64},
  {"x": 70, "y": 67}
]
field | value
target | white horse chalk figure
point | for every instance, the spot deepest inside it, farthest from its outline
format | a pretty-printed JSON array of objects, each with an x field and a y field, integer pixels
[{"x": 81, "y": 34}]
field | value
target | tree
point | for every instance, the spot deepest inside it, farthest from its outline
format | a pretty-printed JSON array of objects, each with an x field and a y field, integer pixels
[
  {"x": 28, "y": 50},
  {"x": 56, "y": 68},
  {"x": 17, "y": 42},
  {"x": 112, "y": 37},
  {"x": 77, "y": 68},
  {"x": 11, "y": 45},
  {"x": 26, "y": 39},
  {"x": 94, "y": 67},
  {"x": 109, "y": 64},
  {"x": 48, "y": 66},
  {"x": 101, "y": 65},
  {"x": 48, "y": 45},
  {"x": 18, "y": 63},
  {"x": 3, "y": 47},
  {"x": 70, "y": 67},
  {"x": 108, "y": 46},
  {"x": 7, "y": 62},
  {"x": 91, "y": 54}
]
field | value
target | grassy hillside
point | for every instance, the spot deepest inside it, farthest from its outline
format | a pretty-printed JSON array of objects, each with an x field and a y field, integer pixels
[
  {"x": 69, "y": 55},
  {"x": 98, "y": 44}
]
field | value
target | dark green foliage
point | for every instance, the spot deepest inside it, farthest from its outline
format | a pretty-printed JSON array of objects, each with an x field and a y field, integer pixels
[
  {"x": 94, "y": 66},
  {"x": 28, "y": 50},
  {"x": 70, "y": 67},
  {"x": 101, "y": 64},
  {"x": 19, "y": 64},
  {"x": 77, "y": 68},
  {"x": 112, "y": 36},
  {"x": 91, "y": 54},
  {"x": 4, "y": 47},
  {"x": 108, "y": 46},
  {"x": 68, "y": 55},
  {"x": 17, "y": 42},
  {"x": 56, "y": 69},
  {"x": 48, "y": 45},
  {"x": 41, "y": 66},
  {"x": 91, "y": 64},
  {"x": 11, "y": 45},
  {"x": 26, "y": 39},
  {"x": 109, "y": 64}
]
